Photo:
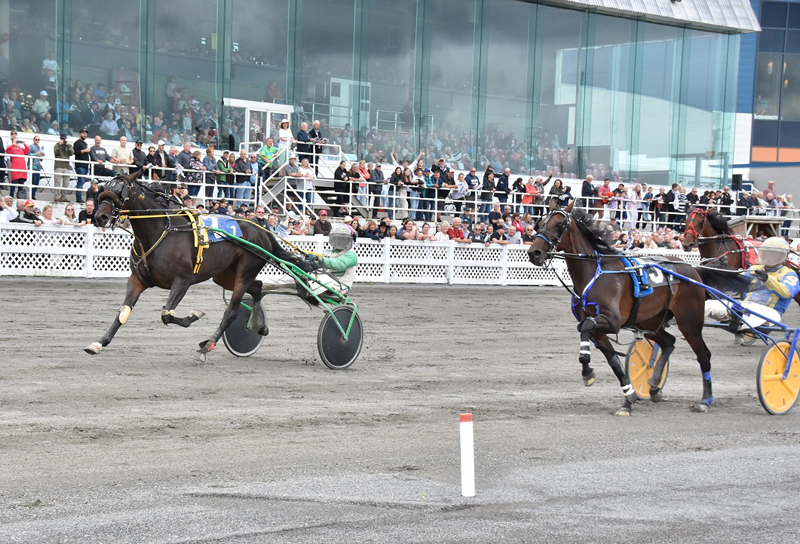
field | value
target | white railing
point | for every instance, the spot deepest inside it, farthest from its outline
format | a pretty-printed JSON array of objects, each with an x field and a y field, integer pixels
[{"x": 88, "y": 251}]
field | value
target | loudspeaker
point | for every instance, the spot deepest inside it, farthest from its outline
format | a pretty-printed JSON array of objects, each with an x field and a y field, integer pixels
[{"x": 736, "y": 182}]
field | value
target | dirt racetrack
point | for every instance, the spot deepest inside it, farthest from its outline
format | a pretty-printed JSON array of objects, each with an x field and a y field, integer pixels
[{"x": 143, "y": 444}]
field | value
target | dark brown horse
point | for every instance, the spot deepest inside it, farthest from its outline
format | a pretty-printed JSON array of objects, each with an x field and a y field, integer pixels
[
  {"x": 604, "y": 300},
  {"x": 164, "y": 254},
  {"x": 718, "y": 245}
]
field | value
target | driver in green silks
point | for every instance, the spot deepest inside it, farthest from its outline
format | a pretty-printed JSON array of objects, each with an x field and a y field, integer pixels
[{"x": 338, "y": 264}]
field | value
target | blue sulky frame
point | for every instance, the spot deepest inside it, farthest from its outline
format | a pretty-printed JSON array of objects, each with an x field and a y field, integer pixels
[{"x": 773, "y": 401}]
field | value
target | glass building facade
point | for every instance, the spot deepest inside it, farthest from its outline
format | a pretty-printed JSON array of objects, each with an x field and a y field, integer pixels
[{"x": 527, "y": 85}]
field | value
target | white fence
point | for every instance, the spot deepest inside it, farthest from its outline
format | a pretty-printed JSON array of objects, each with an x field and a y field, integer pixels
[{"x": 26, "y": 250}]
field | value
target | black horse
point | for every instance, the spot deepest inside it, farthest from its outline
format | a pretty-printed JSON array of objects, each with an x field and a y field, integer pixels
[
  {"x": 165, "y": 254},
  {"x": 604, "y": 301}
]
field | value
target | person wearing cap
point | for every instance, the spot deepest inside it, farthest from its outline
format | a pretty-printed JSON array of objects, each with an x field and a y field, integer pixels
[
  {"x": 93, "y": 192},
  {"x": 771, "y": 286},
  {"x": 285, "y": 138},
  {"x": 62, "y": 152},
  {"x": 339, "y": 264},
  {"x": 139, "y": 157},
  {"x": 224, "y": 177},
  {"x": 40, "y": 106},
  {"x": 292, "y": 171},
  {"x": 163, "y": 160},
  {"x": 8, "y": 212},
  {"x": 322, "y": 225},
  {"x": 27, "y": 215},
  {"x": 83, "y": 158}
]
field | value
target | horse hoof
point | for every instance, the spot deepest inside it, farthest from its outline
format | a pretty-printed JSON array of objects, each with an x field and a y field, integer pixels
[
  {"x": 700, "y": 408},
  {"x": 588, "y": 381},
  {"x": 656, "y": 396},
  {"x": 197, "y": 314},
  {"x": 263, "y": 330},
  {"x": 94, "y": 348},
  {"x": 200, "y": 355},
  {"x": 623, "y": 412}
]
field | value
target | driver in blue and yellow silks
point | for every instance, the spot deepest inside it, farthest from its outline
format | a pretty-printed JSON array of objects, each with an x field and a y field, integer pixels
[{"x": 772, "y": 287}]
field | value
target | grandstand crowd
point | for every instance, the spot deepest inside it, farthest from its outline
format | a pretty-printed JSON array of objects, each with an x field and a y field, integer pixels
[{"x": 436, "y": 194}]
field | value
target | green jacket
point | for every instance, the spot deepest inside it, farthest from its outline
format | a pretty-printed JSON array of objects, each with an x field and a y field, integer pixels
[
  {"x": 63, "y": 153},
  {"x": 224, "y": 168},
  {"x": 267, "y": 154},
  {"x": 341, "y": 264}
]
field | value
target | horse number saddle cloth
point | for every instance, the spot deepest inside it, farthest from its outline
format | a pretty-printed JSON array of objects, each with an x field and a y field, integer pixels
[
  {"x": 221, "y": 222},
  {"x": 645, "y": 278}
]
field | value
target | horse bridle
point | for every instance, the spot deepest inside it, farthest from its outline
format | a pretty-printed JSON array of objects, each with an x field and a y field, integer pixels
[
  {"x": 115, "y": 196},
  {"x": 551, "y": 239},
  {"x": 691, "y": 229}
]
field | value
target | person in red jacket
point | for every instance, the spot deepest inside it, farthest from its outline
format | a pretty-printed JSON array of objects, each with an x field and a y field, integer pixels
[{"x": 17, "y": 152}]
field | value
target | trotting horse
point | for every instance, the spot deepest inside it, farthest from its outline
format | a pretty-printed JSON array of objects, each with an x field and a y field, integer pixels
[
  {"x": 164, "y": 254},
  {"x": 604, "y": 301},
  {"x": 717, "y": 244}
]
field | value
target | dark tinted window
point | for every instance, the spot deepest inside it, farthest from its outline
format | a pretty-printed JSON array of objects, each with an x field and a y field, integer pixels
[
  {"x": 790, "y": 134},
  {"x": 773, "y": 14},
  {"x": 771, "y": 41},
  {"x": 794, "y": 16},
  {"x": 765, "y": 133}
]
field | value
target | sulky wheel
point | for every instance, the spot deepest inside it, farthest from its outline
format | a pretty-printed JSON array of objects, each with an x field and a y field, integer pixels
[
  {"x": 336, "y": 351},
  {"x": 239, "y": 340},
  {"x": 777, "y": 395},
  {"x": 642, "y": 357}
]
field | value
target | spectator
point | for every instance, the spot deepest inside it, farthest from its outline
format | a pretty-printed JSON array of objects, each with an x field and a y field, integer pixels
[
  {"x": 211, "y": 171},
  {"x": 456, "y": 233},
  {"x": 35, "y": 164},
  {"x": 109, "y": 126},
  {"x": 27, "y": 215},
  {"x": 769, "y": 192},
  {"x": 305, "y": 181},
  {"x": 341, "y": 186},
  {"x": 514, "y": 237},
  {"x": 41, "y": 106},
  {"x": 140, "y": 160},
  {"x": 275, "y": 227},
  {"x": 441, "y": 234},
  {"x": 487, "y": 192},
  {"x": 266, "y": 157},
  {"x": 322, "y": 226},
  {"x": 376, "y": 180},
  {"x": 303, "y": 139},
  {"x": 499, "y": 235},
  {"x": 292, "y": 171},
  {"x": 99, "y": 157},
  {"x": 86, "y": 217},
  {"x": 93, "y": 192},
  {"x": 373, "y": 232},
  {"x": 409, "y": 230},
  {"x": 18, "y": 174},
  {"x": 194, "y": 174},
  {"x": 69, "y": 218},
  {"x": 122, "y": 156},
  {"x": 47, "y": 216},
  {"x": 285, "y": 139},
  {"x": 8, "y": 212},
  {"x": 242, "y": 173},
  {"x": 318, "y": 139},
  {"x": 224, "y": 177},
  {"x": 83, "y": 159},
  {"x": 425, "y": 233}
]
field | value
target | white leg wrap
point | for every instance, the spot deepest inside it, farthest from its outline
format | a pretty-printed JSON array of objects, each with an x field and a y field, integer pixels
[
  {"x": 586, "y": 348},
  {"x": 124, "y": 314},
  {"x": 627, "y": 389},
  {"x": 167, "y": 312}
]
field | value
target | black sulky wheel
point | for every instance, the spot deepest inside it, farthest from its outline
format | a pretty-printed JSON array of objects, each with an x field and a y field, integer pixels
[
  {"x": 337, "y": 352},
  {"x": 239, "y": 340}
]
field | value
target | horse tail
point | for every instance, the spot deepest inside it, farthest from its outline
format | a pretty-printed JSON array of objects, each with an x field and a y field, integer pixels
[
  {"x": 278, "y": 251},
  {"x": 727, "y": 281}
]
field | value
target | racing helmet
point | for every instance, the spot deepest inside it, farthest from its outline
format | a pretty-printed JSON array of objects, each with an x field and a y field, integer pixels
[
  {"x": 773, "y": 252},
  {"x": 341, "y": 238}
]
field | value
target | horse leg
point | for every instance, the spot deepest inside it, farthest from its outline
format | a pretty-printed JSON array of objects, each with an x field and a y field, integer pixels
[
  {"x": 586, "y": 327},
  {"x": 667, "y": 344},
  {"x": 604, "y": 345},
  {"x": 229, "y": 316},
  {"x": 257, "y": 321},
  {"x": 176, "y": 294},
  {"x": 135, "y": 289},
  {"x": 694, "y": 337}
]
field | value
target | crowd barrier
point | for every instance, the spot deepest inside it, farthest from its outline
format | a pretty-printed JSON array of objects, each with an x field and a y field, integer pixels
[{"x": 92, "y": 252}]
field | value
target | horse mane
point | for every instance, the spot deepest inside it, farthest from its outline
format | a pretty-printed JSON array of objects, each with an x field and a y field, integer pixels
[
  {"x": 594, "y": 232},
  {"x": 718, "y": 222}
]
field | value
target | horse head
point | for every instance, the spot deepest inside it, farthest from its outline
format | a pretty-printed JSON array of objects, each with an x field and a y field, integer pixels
[
  {"x": 550, "y": 234},
  {"x": 117, "y": 194},
  {"x": 695, "y": 223}
]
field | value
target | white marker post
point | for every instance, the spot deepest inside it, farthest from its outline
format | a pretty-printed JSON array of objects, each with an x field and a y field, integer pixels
[{"x": 467, "y": 457}]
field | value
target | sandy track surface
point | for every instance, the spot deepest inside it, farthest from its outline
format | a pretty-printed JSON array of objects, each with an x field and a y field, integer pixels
[{"x": 143, "y": 444}]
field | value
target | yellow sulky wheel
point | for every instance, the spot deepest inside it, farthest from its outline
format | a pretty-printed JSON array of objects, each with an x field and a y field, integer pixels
[
  {"x": 642, "y": 356},
  {"x": 777, "y": 395}
]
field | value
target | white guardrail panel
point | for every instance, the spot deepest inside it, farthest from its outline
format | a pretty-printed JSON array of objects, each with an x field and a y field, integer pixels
[{"x": 58, "y": 251}]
